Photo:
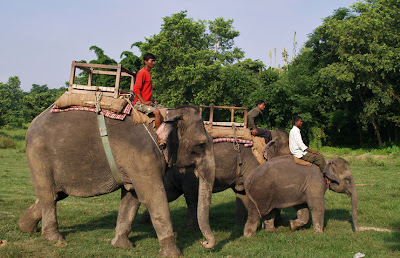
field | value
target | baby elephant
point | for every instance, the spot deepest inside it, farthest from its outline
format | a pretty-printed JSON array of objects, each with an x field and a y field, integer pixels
[{"x": 281, "y": 183}]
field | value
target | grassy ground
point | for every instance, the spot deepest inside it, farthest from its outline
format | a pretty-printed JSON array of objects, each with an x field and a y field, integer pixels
[{"x": 88, "y": 224}]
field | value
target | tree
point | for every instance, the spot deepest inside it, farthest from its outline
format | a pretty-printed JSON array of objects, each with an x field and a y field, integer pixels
[
  {"x": 38, "y": 99},
  {"x": 356, "y": 53},
  {"x": 192, "y": 60},
  {"x": 10, "y": 96}
]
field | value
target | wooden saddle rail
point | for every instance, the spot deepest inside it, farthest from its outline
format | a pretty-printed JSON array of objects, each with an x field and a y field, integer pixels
[
  {"x": 116, "y": 70},
  {"x": 210, "y": 122}
]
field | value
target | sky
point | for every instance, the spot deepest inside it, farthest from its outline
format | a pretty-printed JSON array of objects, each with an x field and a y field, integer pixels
[{"x": 40, "y": 39}]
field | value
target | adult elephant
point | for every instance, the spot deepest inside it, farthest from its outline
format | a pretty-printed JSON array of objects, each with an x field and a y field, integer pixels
[
  {"x": 281, "y": 183},
  {"x": 232, "y": 166},
  {"x": 66, "y": 157}
]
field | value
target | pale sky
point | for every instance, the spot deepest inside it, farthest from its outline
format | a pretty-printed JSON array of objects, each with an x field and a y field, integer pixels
[{"x": 39, "y": 39}]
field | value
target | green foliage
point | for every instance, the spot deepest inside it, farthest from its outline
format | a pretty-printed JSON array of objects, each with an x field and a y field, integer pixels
[
  {"x": 6, "y": 142},
  {"x": 194, "y": 62},
  {"x": 10, "y": 96},
  {"x": 357, "y": 63},
  {"x": 39, "y": 98},
  {"x": 18, "y": 107}
]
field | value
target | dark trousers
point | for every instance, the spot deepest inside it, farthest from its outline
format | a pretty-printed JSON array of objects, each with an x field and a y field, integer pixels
[
  {"x": 261, "y": 132},
  {"x": 316, "y": 159}
]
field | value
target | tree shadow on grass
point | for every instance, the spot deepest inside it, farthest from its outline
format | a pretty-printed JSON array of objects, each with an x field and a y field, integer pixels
[
  {"x": 15, "y": 137},
  {"x": 109, "y": 222},
  {"x": 222, "y": 219},
  {"x": 393, "y": 241}
]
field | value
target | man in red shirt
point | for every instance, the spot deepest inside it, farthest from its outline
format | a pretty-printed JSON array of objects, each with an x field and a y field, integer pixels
[{"x": 143, "y": 90}]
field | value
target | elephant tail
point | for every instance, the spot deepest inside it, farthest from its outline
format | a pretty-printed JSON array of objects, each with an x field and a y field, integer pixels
[{"x": 247, "y": 189}]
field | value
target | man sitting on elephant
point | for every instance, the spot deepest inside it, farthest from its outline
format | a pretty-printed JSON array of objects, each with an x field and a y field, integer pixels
[
  {"x": 143, "y": 90},
  {"x": 299, "y": 149},
  {"x": 253, "y": 116}
]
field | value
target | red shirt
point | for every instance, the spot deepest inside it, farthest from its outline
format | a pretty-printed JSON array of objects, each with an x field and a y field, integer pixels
[{"x": 143, "y": 85}]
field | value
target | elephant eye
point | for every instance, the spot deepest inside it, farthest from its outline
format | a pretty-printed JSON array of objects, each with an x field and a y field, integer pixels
[
  {"x": 348, "y": 180},
  {"x": 199, "y": 148}
]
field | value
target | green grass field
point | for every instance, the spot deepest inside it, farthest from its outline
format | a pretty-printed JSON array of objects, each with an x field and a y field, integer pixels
[{"x": 88, "y": 224}]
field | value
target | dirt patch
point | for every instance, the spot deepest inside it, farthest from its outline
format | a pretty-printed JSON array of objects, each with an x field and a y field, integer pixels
[
  {"x": 3, "y": 243},
  {"x": 374, "y": 229}
]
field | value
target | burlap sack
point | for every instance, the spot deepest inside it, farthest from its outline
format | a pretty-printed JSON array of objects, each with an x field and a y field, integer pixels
[
  {"x": 257, "y": 149},
  {"x": 228, "y": 132},
  {"x": 139, "y": 117},
  {"x": 89, "y": 100}
]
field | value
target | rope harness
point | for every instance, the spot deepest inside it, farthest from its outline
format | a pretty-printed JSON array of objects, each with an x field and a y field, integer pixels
[
  {"x": 236, "y": 145},
  {"x": 145, "y": 127}
]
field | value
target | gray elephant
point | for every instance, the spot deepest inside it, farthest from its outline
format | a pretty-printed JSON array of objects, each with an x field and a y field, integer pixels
[
  {"x": 229, "y": 174},
  {"x": 281, "y": 183},
  {"x": 66, "y": 157}
]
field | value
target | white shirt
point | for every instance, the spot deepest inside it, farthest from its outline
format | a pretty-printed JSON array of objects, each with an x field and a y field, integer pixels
[{"x": 296, "y": 145}]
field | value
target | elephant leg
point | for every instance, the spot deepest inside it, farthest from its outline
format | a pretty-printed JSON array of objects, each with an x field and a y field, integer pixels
[
  {"x": 126, "y": 214},
  {"x": 268, "y": 223},
  {"x": 173, "y": 188},
  {"x": 252, "y": 221},
  {"x": 31, "y": 217},
  {"x": 191, "y": 217},
  {"x": 49, "y": 220},
  {"x": 303, "y": 216},
  {"x": 190, "y": 190},
  {"x": 318, "y": 212},
  {"x": 242, "y": 202},
  {"x": 151, "y": 193}
]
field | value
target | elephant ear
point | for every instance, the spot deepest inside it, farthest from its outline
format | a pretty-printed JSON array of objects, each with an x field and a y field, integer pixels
[
  {"x": 167, "y": 133},
  {"x": 167, "y": 126},
  {"x": 266, "y": 149},
  {"x": 172, "y": 116},
  {"x": 329, "y": 171}
]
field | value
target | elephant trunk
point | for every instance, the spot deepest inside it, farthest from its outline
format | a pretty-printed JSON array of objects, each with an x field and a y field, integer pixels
[
  {"x": 206, "y": 173},
  {"x": 354, "y": 197}
]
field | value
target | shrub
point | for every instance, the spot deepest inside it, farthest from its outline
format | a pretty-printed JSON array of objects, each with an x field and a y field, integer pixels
[{"x": 6, "y": 142}]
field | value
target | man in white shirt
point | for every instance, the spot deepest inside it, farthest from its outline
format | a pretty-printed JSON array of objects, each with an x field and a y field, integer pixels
[{"x": 300, "y": 150}]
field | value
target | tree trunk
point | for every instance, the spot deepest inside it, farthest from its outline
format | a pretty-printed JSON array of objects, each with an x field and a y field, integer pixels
[
  {"x": 378, "y": 134},
  {"x": 360, "y": 132}
]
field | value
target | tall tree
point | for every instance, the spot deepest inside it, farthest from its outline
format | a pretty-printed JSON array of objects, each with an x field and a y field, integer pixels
[
  {"x": 10, "y": 96},
  {"x": 358, "y": 54},
  {"x": 191, "y": 57}
]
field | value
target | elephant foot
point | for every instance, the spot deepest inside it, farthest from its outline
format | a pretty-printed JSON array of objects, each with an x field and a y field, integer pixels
[
  {"x": 169, "y": 248},
  {"x": 52, "y": 236},
  {"x": 122, "y": 241},
  {"x": 27, "y": 226},
  {"x": 249, "y": 231},
  {"x": 293, "y": 225},
  {"x": 268, "y": 226},
  {"x": 248, "y": 234},
  {"x": 318, "y": 229}
]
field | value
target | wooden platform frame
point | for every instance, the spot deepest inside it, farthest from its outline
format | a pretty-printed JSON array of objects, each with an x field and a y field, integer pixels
[
  {"x": 94, "y": 69},
  {"x": 211, "y": 122}
]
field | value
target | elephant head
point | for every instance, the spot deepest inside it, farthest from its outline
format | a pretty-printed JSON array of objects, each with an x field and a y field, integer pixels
[
  {"x": 189, "y": 145},
  {"x": 342, "y": 181},
  {"x": 278, "y": 146}
]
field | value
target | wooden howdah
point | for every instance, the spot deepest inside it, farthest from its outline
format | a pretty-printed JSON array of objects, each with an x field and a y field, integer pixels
[
  {"x": 115, "y": 70},
  {"x": 227, "y": 129}
]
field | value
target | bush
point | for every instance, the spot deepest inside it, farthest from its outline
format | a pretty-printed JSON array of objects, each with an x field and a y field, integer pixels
[{"x": 6, "y": 142}]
